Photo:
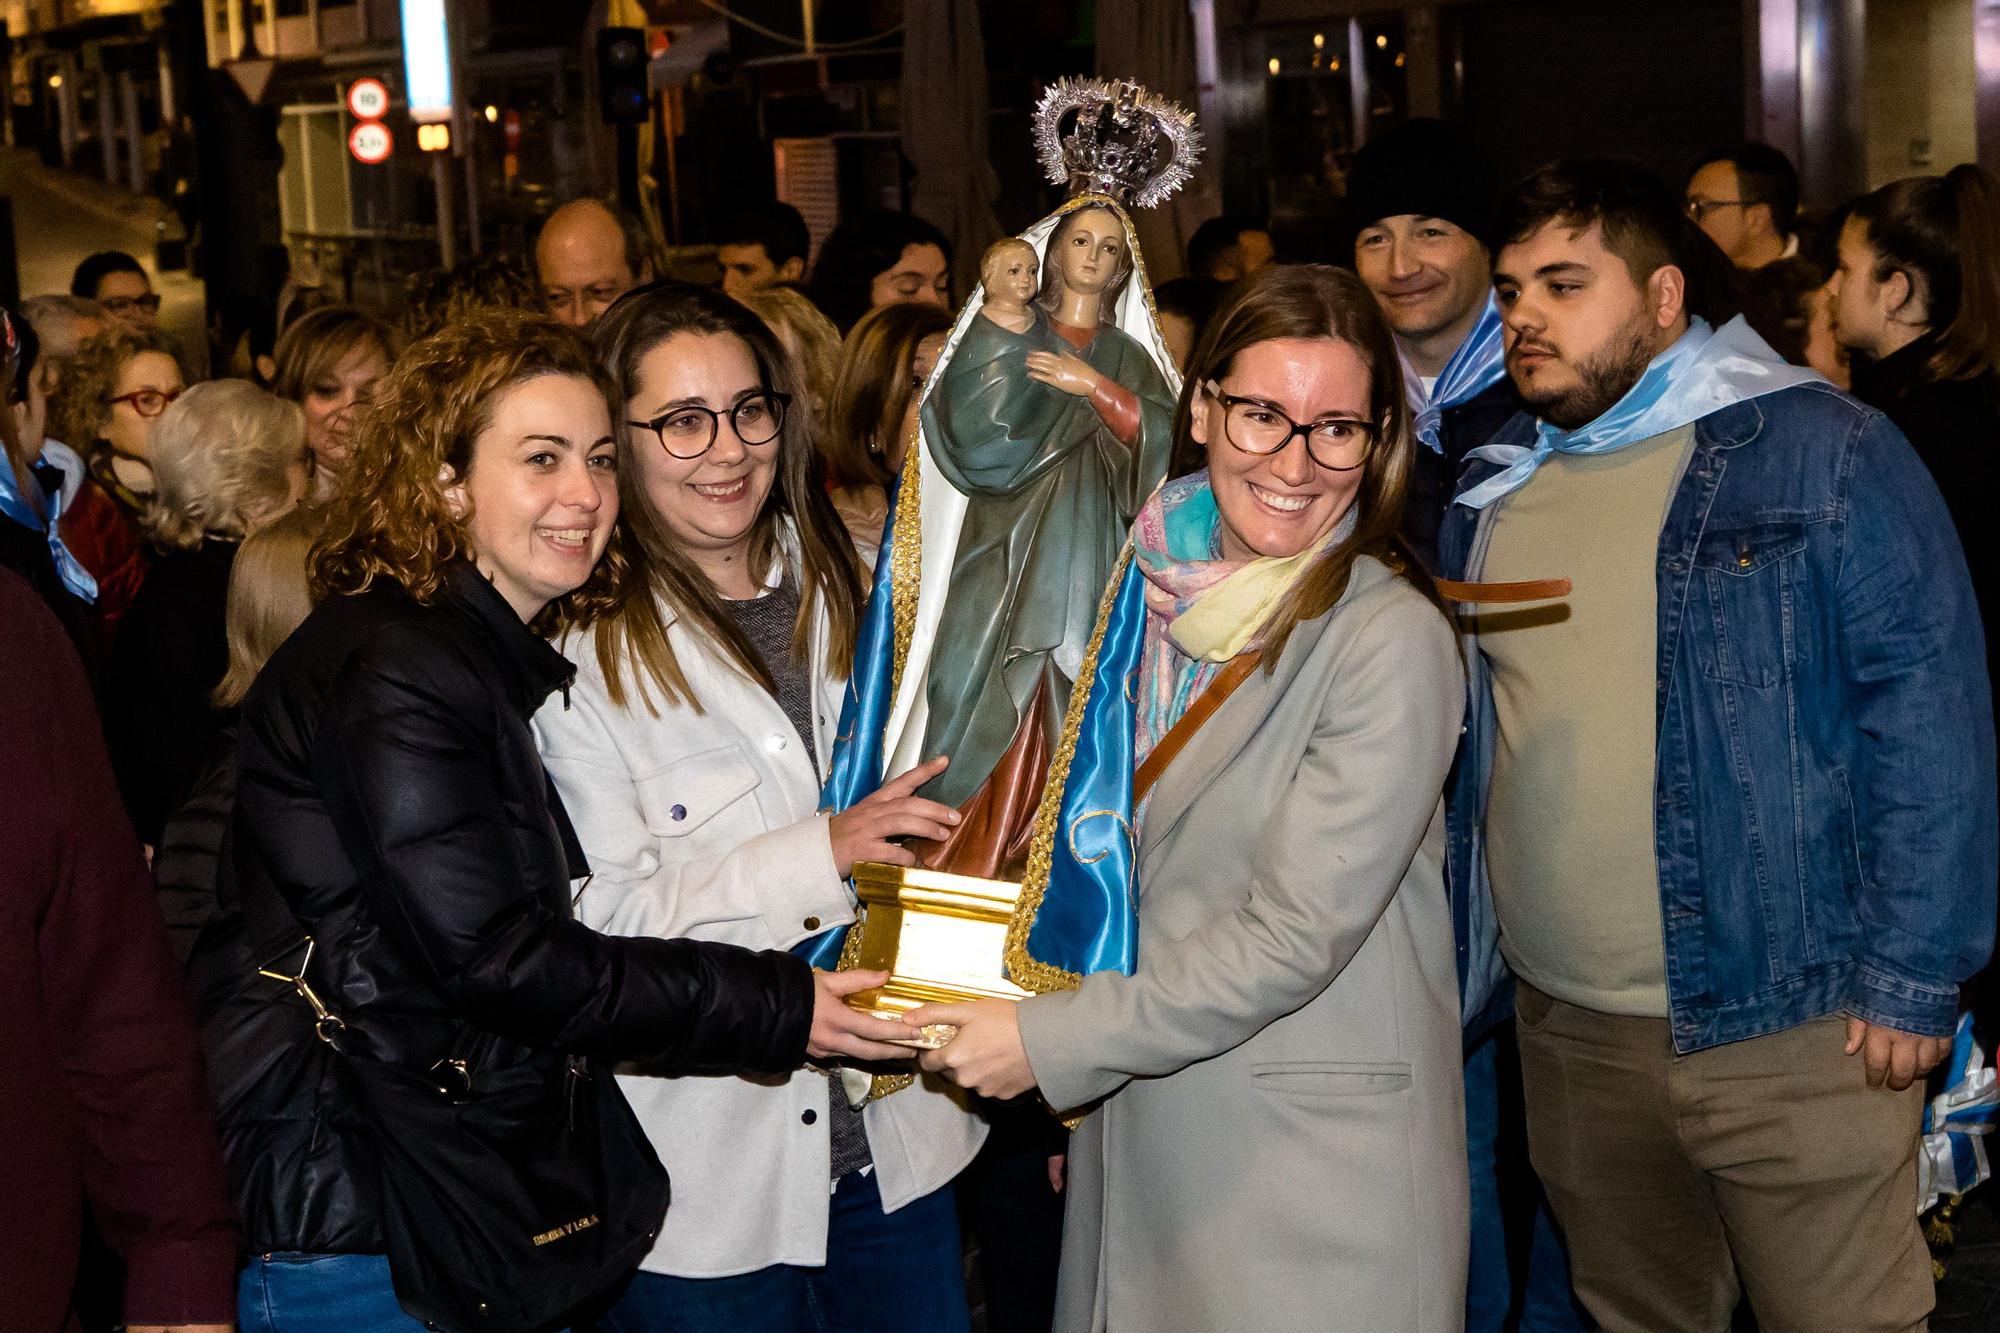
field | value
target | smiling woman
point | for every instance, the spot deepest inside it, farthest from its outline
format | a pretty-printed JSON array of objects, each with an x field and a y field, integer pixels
[
  {"x": 404, "y": 1017},
  {"x": 691, "y": 750},
  {"x": 1289, "y": 1033},
  {"x": 328, "y": 362}
]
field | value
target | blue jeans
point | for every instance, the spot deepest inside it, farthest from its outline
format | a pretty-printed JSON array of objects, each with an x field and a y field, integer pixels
[
  {"x": 897, "y": 1272},
  {"x": 1502, "y": 1293},
  {"x": 319, "y": 1293}
]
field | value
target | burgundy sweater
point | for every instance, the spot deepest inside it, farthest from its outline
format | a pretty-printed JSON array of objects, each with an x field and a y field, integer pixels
[{"x": 102, "y": 1096}]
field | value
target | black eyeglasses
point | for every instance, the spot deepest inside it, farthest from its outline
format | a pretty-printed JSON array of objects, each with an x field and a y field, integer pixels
[
  {"x": 1338, "y": 444},
  {"x": 689, "y": 430},
  {"x": 118, "y": 305}
]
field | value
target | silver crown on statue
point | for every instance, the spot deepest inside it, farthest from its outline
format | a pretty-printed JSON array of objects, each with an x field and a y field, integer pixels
[{"x": 1114, "y": 138}]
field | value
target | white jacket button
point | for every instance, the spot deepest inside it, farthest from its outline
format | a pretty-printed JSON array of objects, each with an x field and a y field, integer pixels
[{"x": 775, "y": 744}]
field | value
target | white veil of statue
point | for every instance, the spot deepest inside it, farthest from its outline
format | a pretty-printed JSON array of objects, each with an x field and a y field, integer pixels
[{"x": 941, "y": 506}]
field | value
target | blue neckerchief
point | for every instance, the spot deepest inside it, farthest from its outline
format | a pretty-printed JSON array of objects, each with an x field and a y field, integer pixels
[
  {"x": 1703, "y": 372},
  {"x": 854, "y": 770},
  {"x": 16, "y": 507},
  {"x": 1479, "y": 363}
]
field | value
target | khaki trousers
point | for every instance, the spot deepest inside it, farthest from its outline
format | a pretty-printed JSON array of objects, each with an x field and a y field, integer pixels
[{"x": 1769, "y": 1162}]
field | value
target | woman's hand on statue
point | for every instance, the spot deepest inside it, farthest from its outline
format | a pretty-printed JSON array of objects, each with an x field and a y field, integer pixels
[
  {"x": 863, "y": 831},
  {"x": 1060, "y": 370},
  {"x": 986, "y": 1056},
  {"x": 839, "y": 1029}
]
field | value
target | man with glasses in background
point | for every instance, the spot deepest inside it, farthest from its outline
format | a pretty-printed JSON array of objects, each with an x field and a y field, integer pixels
[
  {"x": 118, "y": 283},
  {"x": 1746, "y": 197}
]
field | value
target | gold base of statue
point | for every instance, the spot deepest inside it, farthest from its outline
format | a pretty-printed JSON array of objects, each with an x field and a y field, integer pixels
[{"x": 941, "y": 938}]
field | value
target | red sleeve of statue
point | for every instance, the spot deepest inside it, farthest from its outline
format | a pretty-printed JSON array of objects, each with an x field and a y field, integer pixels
[{"x": 1118, "y": 407}]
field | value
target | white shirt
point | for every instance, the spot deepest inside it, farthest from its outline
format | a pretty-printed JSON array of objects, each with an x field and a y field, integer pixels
[{"x": 706, "y": 826}]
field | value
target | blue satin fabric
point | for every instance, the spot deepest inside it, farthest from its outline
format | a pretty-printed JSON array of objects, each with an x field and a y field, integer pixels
[
  {"x": 856, "y": 767},
  {"x": 1477, "y": 365},
  {"x": 1089, "y": 917},
  {"x": 1704, "y": 371},
  {"x": 16, "y": 507},
  {"x": 1088, "y": 920}
]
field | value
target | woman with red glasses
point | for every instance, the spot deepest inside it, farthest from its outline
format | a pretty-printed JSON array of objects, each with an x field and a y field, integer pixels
[{"x": 105, "y": 406}]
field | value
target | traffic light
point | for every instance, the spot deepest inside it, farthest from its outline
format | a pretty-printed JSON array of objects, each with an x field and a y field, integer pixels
[{"x": 621, "y": 75}]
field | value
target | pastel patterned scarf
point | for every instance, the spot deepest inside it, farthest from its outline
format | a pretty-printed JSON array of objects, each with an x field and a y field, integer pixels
[{"x": 1201, "y": 610}]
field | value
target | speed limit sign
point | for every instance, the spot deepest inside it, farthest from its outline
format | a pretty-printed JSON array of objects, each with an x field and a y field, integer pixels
[
  {"x": 370, "y": 142},
  {"x": 367, "y": 99}
]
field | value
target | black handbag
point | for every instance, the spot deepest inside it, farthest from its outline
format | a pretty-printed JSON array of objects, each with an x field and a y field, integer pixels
[{"x": 515, "y": 1186}]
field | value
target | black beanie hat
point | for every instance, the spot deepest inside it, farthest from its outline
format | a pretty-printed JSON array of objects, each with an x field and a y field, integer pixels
[{"x": 1424, "y": 167}]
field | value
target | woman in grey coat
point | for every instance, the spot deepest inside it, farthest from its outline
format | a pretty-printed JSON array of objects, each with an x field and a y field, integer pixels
[{"x": 1275, "y": 1136}]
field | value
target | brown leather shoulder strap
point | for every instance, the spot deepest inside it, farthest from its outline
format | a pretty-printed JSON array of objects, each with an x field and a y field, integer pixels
[
  {"x": 1191, "y": 721},
  {"x": 1530, "y": 590}
]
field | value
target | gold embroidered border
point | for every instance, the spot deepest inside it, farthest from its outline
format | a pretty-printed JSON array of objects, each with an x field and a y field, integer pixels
[
  {"x": 1023, "y": 968},
  {"x": 850, "y": 956},
  {"x": 906, "y": 560}
]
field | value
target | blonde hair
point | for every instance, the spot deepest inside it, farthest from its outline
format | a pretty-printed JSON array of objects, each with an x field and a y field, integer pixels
[
  {"x": 223, "y": 456},
  {"x": 268, "y": 598},
  {"x": 1001, "y": 247},
  {"x": 315, "y": 344},
  {"x": 874, "y": 391},
  {"x": 807, "y": 335}
]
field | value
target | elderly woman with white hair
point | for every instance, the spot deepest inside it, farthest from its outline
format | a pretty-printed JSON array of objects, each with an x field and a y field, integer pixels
[{"x": 227, "y": 457}]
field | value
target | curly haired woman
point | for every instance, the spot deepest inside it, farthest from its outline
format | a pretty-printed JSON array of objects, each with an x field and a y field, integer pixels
[
  {"x": 395, "y": 827},
  {"x": 105, "y": 406}
]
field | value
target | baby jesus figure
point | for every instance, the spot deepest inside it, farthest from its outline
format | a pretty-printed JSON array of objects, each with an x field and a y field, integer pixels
[{"x": 1009, "y": 274}]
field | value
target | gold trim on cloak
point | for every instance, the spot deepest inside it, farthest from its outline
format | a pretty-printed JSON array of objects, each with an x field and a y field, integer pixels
[
  {"x": 905, "y": 583},
  {"x": 1023, "y": 968}
]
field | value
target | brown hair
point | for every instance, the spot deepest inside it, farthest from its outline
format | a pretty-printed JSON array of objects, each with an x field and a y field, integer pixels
[
  {"x": 808, "y": 336},
  {"x": 268, "y": 598},
  {"x": 223, "y": 457},
  {"x": 391, "y": 518},
  {"x": 78, "y": 409},
  {"x": 320, "y": 340},
  {"x": 1051, "y": 293},
  {"x": 663, "y": 578},
  {"x": 873, "y": 392},
  {"x": 1943, "y": 232},
  {"x": 437, "y": 297},
  {"x": 1317, "y": 301}
]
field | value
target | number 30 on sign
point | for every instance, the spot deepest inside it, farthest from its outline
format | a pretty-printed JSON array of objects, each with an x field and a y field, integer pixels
[{"x": 370, "y": 142}]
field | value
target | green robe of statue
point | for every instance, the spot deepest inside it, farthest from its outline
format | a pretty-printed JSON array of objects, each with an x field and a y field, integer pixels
[{"x": 1052, "y": 495}]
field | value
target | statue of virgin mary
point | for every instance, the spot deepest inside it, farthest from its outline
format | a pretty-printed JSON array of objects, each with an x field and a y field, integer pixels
[{"x": 1034, "y": 452}]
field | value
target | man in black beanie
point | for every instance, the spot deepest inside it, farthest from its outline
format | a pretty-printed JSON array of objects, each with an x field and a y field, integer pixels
[{"x": 1420, "y": 200}]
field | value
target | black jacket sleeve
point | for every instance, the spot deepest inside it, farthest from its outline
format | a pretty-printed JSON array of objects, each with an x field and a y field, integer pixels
[{"x": 407, "y": 757}]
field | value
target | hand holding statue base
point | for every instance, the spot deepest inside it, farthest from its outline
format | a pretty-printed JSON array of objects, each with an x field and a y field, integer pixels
[{"x": 1042, "y": 431}]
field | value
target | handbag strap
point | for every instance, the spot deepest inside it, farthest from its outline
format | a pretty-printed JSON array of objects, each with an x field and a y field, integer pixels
[
  {"x": 1528, "y": 590},
  {"x": 1198, "y": 712}
]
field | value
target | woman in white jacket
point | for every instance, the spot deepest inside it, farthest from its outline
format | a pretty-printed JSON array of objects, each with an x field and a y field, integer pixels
[{"x": 690, "y": 752}]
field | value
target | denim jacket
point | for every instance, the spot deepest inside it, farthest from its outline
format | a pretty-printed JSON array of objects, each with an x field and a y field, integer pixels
[{"x": 1823, "y": 799}]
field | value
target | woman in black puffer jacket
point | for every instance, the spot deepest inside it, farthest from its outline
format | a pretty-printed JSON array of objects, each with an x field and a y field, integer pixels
[{"x": 399, "y": 851}]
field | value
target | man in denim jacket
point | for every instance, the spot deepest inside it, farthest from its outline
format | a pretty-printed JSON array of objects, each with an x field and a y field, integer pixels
[{"x": 1728, "y": 810}]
